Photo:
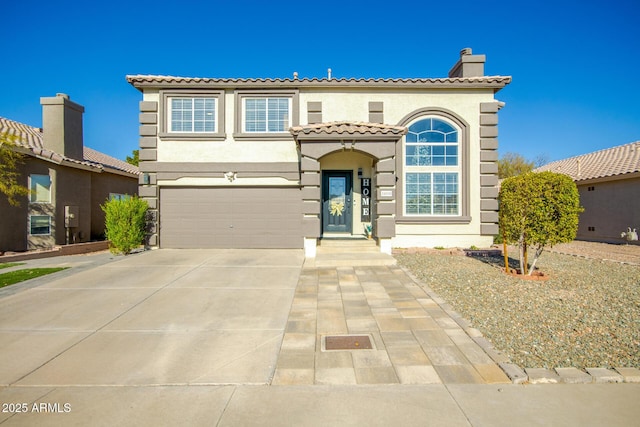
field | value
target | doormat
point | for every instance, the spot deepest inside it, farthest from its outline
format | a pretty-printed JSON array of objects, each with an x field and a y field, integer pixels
[{"x": 346, "y": 342}]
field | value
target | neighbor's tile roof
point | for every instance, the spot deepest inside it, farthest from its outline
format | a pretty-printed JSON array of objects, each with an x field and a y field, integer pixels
[
  {"x": 616, "y": 161},
  {"x": 140, "y": 81},
  {"x": 348, "y": 128},
  {"x": 30, "y": 138}
]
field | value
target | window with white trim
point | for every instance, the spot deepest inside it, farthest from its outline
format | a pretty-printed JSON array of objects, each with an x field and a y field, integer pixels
[
  {"x": 192, "y": 115},
  {"x": 266, "y": 115},
  {"x": 40, "y": 188},
  {"x": 432, "y": 169},
  {"x": 40, "y": 225}
]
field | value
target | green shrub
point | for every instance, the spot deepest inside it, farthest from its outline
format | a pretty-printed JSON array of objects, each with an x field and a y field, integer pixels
[
  {"x": 538, "y": 210},
  {"x": 125, "y": 223}
]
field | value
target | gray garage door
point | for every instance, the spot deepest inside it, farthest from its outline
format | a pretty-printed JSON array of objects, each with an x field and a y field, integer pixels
[{"x": 193, "y": 217}]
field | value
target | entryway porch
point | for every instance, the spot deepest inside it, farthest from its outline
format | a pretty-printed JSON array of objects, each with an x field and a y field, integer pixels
[{"x": 348, "y": 252}]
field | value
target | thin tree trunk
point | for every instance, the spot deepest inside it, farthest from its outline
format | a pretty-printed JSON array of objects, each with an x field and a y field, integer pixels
[
  {"x": 506, "y": 255},
  {"x": 526, "y": 259},
  {"x": 535, "y": 259}
]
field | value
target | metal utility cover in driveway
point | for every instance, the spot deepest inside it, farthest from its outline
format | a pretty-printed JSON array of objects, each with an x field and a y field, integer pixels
[{"x": 348, "y": 342}]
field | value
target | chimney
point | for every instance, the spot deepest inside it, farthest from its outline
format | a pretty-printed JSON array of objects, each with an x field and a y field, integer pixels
[
  {"x": 468, "y": 65},
  {"x": 62, "y": 126}
]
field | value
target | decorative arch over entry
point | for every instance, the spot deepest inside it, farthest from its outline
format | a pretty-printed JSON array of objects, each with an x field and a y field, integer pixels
[{"x": 373, "y": 139}]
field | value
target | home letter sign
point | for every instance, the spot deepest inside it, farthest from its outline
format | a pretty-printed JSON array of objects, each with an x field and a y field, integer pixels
[{"x": 366, "y": 200}]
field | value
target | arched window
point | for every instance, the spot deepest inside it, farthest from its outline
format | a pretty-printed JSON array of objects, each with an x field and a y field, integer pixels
[{"x": 432, "y": 168}]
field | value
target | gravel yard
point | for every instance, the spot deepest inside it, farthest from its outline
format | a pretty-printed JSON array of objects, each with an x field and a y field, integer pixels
[{"x": 587, "y": 314}]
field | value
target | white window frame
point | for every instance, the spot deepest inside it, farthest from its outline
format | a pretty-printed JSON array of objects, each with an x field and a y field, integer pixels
[
  {"x": 193, "y": 120},
  {"x": 432, "y": 171},
  {"x": 165, "y": 116},
  {"x": 33, "y": 193},
  {"x": 239, "y": 127},
  {"x": 267, "y": 121},
  {"x": 31, "y": 225}
]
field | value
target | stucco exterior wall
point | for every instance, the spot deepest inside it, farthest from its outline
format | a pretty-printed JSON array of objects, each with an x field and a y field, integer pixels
[
  {"x": 13, "y": 222},
  {"x": 199, "y": 161},
  {"x": 609, "y": 208},
  {"x": 69, "y": 187}
]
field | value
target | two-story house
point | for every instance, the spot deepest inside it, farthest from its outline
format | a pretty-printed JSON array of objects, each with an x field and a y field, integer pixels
[
  {"x": 281, "y": 163},
  {"x": 67, "y": 181}
]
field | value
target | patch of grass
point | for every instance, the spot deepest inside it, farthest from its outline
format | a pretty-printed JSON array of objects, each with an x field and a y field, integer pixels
[
  {"x": 9, "y": 264},
  {"x": 17, "y": 276},
  {"x": 440, "y": 248}
]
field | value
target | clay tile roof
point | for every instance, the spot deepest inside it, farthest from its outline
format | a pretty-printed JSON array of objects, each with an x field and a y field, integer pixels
[
  {"x": 616, "y": 161},
  {"x": 29, "y": 138},
  {"x": 348, "y": 129},
  {"x": 485, "y": 81}
]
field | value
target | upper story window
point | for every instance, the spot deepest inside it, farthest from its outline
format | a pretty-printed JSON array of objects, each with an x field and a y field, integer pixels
[
  {"x": 192, "y": 115},
  {"x": 197, "y": 115},
  {"x": 432, "y": 142},
  {"x": 40, "y": 188},
  {"x": 432, "y": 169},
  {"x": 267, "y": 115}
]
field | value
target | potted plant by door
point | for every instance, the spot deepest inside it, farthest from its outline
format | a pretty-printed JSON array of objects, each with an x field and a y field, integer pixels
[{"x": 367, "y": 230}]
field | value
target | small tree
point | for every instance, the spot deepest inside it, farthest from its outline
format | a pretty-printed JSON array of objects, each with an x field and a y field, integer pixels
[
  {"x": 538, "y": 210},
  {"x": 134, "y": 159},
  {"x": 125, "y": 223},
  {"x": 10, "y": 160},
  {"x": 512, "y": 164}
]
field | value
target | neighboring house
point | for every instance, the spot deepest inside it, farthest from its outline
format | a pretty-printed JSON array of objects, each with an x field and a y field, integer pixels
[
  {"x": 281, "y": 163},
  {"x": 68, "y": 181},
  {"x": 609, "y": 185}
]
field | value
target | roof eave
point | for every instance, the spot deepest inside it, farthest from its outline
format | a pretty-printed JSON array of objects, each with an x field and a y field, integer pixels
[{"x": 159, "y": 82}]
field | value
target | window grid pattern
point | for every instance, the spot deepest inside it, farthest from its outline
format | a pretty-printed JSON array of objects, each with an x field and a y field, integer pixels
[
  {"x": 432, "y": 142},
  {"x": 266, "y": 115},
  {"x": 432, "y": 193},
  {"x": 432, "y": 171},
  {"x": 196, "y": 115}
]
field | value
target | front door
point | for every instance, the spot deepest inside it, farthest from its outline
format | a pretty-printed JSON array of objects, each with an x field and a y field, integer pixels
[{"x": 336, "y": 201}]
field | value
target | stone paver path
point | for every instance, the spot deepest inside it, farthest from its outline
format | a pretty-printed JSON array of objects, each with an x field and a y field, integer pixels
[{"x": 415, "y": 341}]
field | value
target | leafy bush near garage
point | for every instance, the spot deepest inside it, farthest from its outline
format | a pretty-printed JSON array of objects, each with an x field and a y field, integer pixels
[{"x": 125, "y": 223}]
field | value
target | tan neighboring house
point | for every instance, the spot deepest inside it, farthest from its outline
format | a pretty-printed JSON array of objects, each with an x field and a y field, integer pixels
[
  {"x": 609, "y": 185},
  {"x": 68, "y": 181},
  {"x": 282, "y": 163}
]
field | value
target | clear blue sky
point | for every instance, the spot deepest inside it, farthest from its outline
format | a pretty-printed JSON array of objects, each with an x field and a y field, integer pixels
[{"x": 575, "y": 64}]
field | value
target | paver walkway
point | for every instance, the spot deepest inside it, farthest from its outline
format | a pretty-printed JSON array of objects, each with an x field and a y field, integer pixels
[{"x": 415, "y": 340}]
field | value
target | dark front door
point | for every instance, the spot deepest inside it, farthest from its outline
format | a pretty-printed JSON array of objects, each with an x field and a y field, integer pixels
[{"x": 336, "y": 201}]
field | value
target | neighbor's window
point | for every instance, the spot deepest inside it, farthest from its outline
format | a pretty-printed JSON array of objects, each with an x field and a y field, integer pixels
[
  {"x": 40, "y": 186},
  {"x": 116, "y": 196},
  {"x": 267, "y": 115},
  {"x": 432, "y": 168},
  {"x": 40, "y": 225},
  {"x": 192, "y": 115}
]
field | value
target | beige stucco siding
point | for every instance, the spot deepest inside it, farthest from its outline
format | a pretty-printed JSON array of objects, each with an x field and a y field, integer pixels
[{"x": 353, "y": 106}]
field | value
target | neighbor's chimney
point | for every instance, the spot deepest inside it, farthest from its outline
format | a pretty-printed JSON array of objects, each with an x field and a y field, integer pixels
[
  {"x": 468, "y": 65},
  {"x": 62, "y": 126}
]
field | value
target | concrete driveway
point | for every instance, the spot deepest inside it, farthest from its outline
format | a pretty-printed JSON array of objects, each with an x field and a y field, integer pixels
[
  {"x": 203, "y": 337},
  {"x": 165, "y": 317}
]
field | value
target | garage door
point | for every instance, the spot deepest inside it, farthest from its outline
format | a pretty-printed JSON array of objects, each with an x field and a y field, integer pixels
[{"x": 192, "y": 217}]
